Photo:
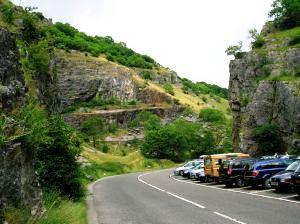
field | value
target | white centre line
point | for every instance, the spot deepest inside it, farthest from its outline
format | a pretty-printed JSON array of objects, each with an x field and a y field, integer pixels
[
  {"x": 229, "y": 218},
  {"x": 186, "y": 200}
]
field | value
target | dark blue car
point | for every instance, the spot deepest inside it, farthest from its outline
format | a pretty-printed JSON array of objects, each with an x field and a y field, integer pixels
[{"x": 260, "y": 173}]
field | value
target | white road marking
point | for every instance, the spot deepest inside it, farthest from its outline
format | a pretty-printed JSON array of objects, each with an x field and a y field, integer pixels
[
  {"x": 261, "y": 191},
  {"x": 229, "y": 218},
  {"x": 186, "y": 200},
  {"x": 231, "y": 190},
  {"x": 291, "y": 196},
  {"x": 157, "y": 188}
]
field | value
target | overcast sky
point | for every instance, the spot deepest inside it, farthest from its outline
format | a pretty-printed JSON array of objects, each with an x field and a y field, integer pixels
[{"x": 188, "y": 36}]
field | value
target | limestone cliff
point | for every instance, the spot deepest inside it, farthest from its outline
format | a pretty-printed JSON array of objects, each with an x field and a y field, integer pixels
[
  {"x": 265, "y": 89},
  {"x": 81, "y": 78}
]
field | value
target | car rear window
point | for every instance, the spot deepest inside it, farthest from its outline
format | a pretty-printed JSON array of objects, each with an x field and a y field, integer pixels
[{"x": 237, "y": 165}]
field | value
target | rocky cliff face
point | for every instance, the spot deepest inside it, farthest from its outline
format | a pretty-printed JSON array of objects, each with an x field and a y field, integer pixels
[
  {"x": 18, "y": 182},
  {"x": 256, "y": 97},
  {"x": 12, "y": 84},
  {"x": 81, "y": 78}
]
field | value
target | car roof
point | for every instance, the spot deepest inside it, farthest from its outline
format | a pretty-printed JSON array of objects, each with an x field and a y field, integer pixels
[{"x": 271, "y": 160}]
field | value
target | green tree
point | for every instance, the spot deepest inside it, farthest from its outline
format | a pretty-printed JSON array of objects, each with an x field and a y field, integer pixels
[
  {"x": 93, "y": 126},
  {"x": 286, "y": 13},
  {"x": 165, "y": 143},
  {"x": 269, "y": 139}
]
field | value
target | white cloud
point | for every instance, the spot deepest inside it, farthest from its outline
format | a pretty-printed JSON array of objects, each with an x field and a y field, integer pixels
[{"x": 188, "y": 36}]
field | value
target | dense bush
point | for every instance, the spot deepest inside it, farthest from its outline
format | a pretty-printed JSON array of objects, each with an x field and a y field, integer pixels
[
  {"x": 145, "y": 119},
  {"x": 55, "y": 147},
  {"x": 286, "y": 13},
  {"x": 205, "y": 88},
  {"x": 56, "y": 163},
  {"x": 38, "y": 57},
  {"x": 269, "y": 139},
  {"x": 8, "y": 13},
  {"x": 67, "y": 37},
  {"x": 295, "y": 39},
  {"x": 211, "y": 115}
]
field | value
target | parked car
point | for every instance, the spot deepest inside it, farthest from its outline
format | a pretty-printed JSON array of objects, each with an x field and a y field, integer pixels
[
  {"x": 180, "y": 170},
  {"x": 232, "y": 171},
  {"x": 198, "y": 172},
  {"x": 187, "y": 173},
  {"x": 260, "y": 173},
  {"x": 213, "y": 162},
  {"x": 296, "y": 181},
  {"x": 282, "y": 180}
]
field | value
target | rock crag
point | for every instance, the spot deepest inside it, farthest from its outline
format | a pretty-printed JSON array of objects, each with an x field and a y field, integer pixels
[{"x": 259, "y": 97}]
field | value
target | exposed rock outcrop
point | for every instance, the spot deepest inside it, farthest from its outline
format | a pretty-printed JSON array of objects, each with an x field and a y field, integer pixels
[
  {"x": 256, "y": 100},
  {"x": 18, "y": 181},
  {"x": 81, "y": 78},
  {"x": 12, "y": 84}
]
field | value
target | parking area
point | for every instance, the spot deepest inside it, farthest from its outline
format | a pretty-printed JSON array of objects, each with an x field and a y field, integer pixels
[{"x": 255, "y": 192}]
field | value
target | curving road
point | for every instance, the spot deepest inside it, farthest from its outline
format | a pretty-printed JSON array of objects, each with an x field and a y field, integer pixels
[{"x": 160, "y": 198}]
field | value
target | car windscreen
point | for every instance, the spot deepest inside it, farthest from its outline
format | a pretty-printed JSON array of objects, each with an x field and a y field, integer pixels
[{"x": 293, "y": 166}]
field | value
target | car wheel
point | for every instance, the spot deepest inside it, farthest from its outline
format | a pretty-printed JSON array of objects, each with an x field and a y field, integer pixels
[
  {"x": 240, "y": 182},
  {"x": 181, "y": 172},
  {"x": 267, "y": 183}
]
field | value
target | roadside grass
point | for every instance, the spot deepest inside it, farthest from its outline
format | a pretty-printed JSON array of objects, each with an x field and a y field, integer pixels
[
  {"x": 58, "y": 211},
  {"x": 121, "y": 159}
]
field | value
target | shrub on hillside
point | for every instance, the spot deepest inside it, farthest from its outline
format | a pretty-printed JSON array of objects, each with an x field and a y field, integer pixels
[
  {"x": 212, "y": 115},
  {"x": 169, "y": 89},
  {"x": 56, "y": 147},
  {"x": 269, "y": 139},
  {"x": 257, "y": 40}
]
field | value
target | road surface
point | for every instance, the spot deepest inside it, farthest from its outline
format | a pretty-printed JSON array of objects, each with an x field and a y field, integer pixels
[{"x": 161, "y": 198}]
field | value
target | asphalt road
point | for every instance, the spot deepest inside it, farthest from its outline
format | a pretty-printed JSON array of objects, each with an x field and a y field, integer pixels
[{"x": 160, "y": 198}]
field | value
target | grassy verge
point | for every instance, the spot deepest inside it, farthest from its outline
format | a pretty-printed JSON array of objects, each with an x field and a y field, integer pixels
[
  {"x": 121, "y": 159},
  {"x": 58, "y": 211}
]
